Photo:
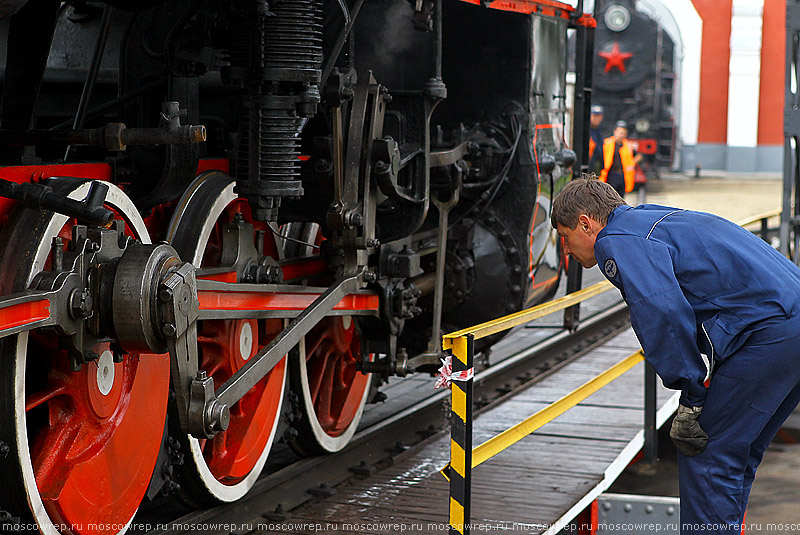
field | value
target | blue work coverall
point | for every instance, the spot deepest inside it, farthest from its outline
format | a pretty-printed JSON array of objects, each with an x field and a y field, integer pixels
[{"x": 710, "y": 300}]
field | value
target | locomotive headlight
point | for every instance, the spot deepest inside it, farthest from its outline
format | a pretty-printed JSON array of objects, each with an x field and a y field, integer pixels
[
  {"x": 642, "y": 125},
  {"x": 617, "y": 18}
]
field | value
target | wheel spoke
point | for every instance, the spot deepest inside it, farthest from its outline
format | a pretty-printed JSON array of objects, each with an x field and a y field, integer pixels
[
  {"x": 34, "y": 400},
  {"x": 319, "y": 367},
  {"x": 324, "y": 399},
  {"x": 312, "y": 348},
  {"x": 53, "y": 464}
]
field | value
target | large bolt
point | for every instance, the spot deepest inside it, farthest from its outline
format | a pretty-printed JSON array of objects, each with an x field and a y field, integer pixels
[
  {"x": 354, "y": 219},
  {"x": 165, "y": 294},
  {"x": 323, "y": 166},
  {"x": 381, "y": 167},
  {"x": 81, "y": 304},
  {"x": 57, "y": 254},
  {"x": 169, "y": 330},
  {"x": 219, "y": 417}
]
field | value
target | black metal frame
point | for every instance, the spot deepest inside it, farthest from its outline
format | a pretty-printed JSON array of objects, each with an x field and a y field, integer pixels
[
  {"x": 582, "y": 102},
  {"x": 789, "y": 237}
]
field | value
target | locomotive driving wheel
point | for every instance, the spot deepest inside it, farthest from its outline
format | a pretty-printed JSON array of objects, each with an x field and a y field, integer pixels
[
  {"x": 224, "y": 468},
  {"x": 330, "y": 390},
  {"x": 79, "y": 445}
]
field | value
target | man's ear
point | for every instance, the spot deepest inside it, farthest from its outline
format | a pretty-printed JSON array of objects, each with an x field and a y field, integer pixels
[{"x": 585, "y": 223}]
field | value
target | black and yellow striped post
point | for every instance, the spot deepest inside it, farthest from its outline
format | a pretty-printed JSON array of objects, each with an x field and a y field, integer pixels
[{"x": 463, "y": 348}]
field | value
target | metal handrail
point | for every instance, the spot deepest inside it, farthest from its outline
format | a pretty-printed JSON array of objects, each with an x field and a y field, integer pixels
[
  {"x": 524, "y": 316},
  {"x": 514, "y": 434},
  {"x": 760, "y": 217}
]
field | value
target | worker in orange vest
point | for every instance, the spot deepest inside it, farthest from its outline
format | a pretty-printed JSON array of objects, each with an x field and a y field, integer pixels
[{"x": 619, "y": 162}]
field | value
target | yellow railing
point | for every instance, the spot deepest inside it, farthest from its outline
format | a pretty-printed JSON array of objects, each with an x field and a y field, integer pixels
[
  {"x": 461, "y": 343},
  {"x": 760, "y": 217}
]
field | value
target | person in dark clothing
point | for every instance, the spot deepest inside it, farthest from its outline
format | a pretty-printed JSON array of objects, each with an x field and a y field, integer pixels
[
  {"x": 717, "y": 311},
  {"x": 595, "y": 140}
]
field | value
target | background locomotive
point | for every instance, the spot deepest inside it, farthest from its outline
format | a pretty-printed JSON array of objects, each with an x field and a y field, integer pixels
[
  {"x": 227, "y": 211},
  {"x": 633, "y": 78}
]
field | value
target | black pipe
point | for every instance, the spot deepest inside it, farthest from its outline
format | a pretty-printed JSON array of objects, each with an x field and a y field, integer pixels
[
  {"x": 40, "y": 197},
  {"x": 113, "y": 136},
  {"x": 330, "y": 61},
  {"x": 437, "y": 39},
  {"x": 91, "y": 76},
  {"x": 102, "y": 108}
]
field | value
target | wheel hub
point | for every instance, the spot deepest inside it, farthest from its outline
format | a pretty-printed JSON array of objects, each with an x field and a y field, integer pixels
[
  {"x": 245, "y": 341},
  {"x": 105, "y": 372},
  {"x": 104, "y": 384}
]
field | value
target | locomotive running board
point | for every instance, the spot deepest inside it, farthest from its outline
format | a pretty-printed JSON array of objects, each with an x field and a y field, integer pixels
[{"x": 224, "y": 300}]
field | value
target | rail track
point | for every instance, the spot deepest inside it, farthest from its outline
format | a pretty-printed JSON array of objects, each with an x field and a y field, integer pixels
[{"x": 380, "y": 444}]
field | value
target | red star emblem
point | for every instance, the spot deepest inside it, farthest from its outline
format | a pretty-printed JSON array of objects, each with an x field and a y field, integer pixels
[{"x": 615, "y": 58}]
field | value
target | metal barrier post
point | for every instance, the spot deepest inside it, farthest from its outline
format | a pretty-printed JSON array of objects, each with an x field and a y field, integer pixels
[
  {"x": 765, "y": 229},
  {"x": 463, "y": 349},
  {"x": 650, "y": 406},
  {"x": 574, "y": 280},
  {"x": 581, "y": 106},
  {"x": 791, "y": 135}
]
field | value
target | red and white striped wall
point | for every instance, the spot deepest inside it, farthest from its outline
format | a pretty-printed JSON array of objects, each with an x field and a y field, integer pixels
[{"x": 731, "y": 109}]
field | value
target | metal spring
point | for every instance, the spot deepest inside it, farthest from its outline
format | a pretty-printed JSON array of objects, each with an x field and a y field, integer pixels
[{"x": 283, "y": 61}]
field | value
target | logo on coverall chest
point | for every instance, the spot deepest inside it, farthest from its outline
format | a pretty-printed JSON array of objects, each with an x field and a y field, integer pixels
[{"x": 610, "y": 268}]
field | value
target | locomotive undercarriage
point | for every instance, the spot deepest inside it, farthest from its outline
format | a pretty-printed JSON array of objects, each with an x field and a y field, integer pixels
[{"x": 320, "y": 217}]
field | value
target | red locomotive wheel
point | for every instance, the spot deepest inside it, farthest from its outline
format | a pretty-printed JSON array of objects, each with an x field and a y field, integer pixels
[
  {"x": 226, "y": 467},
  {"x": 83, "y": 440},
  {"x": 333, "y": 349},
  {"x": 332, "y": 393}
]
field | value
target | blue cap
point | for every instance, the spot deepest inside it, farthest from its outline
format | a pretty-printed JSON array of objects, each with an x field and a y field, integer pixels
[
  {"x": 621, "y": 124},
  {"x": 597, "y": 109}
]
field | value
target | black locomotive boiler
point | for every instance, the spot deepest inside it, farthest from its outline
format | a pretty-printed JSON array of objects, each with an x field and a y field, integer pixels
[
  {"x": 634, "y": 79},
  {"x": 223, "y": 223}
]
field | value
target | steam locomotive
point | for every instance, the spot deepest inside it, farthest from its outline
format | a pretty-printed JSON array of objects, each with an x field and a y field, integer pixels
[
  {"x": 210, "y": 208},
  {"x": 633, "y": 78}
]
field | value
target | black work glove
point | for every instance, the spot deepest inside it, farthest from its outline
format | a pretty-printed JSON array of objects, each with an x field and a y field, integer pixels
[{"x": 686, "y": 433}]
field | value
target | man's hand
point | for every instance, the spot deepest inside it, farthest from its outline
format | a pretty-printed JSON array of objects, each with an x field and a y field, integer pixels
[{"x": 686, "y": 433}]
